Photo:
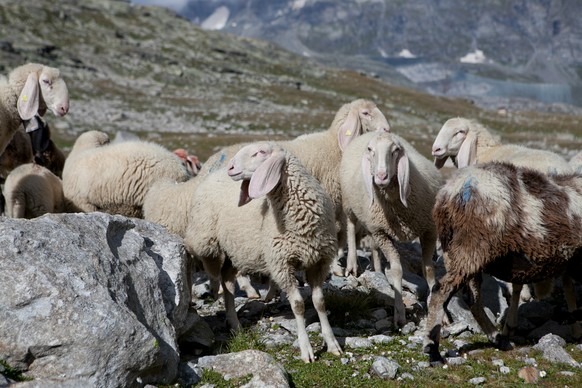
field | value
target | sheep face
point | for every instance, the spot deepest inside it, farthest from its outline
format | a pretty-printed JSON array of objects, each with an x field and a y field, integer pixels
[
  {"x": 360, "y": 116},
  {"x": 44, "y": 89},
  {"x": 384, "y": 159},
  {"x": 259, "y": 166},
  {"x": 54, "y": 91},
  {"x": 449, "y": 141}
]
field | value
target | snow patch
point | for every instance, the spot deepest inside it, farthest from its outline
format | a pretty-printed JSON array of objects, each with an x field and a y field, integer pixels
[
  {"x": 217, "y": 20},
  {"x": 475, "y": 57},
  {"x": 383, "y": 53},
  {"x": 405, "y": 53},
  {"x": 298, "y": 4}
]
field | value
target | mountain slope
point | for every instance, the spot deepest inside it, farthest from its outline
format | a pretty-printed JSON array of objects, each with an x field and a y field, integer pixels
[{"x": 148, "y": 71}]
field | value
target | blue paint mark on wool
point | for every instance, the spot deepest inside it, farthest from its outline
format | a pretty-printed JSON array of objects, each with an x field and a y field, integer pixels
[
  {"x": 467, "y": 190},
  {"x": 218, "y": 164}
]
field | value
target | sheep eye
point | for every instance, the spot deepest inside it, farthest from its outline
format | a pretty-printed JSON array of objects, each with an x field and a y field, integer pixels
[
  {"x": 365, "y": 113},
  {"x": 46, "y": 81}
]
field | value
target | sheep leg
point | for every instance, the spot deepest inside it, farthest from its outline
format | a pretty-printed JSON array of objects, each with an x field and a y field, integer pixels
[
  {"x": 352, "y": 259},
  {"x": 376, "y": 260},
  {"x": 570, "y": 295},
  {"x": 272, "y": 292},
  {"x": 428, "y": 244},
  {"x": 228, "y": 288},
  {"x": 395, "y": 273},
  {"x": 315, "y": 280},
  {"x": 441, "y": 294},
  {"x": 500, "y": 341},
  {"x": 298, "y": 308},
  {"x": 285, "y": 279},
  {"x": 511, "y": 319},
  {"x": 244, "y": 283}
]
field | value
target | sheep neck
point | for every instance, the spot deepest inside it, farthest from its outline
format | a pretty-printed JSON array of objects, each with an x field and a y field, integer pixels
[{"x": 296, "y": 207}]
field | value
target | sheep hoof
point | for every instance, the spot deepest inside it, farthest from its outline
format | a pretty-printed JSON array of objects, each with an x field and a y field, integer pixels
[
  {"x": 434, "y": 357},
  {"x": 502, "y": 343}
]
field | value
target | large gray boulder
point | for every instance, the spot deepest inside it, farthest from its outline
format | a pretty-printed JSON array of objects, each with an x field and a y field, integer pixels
[{"x": 94, "y": 296}]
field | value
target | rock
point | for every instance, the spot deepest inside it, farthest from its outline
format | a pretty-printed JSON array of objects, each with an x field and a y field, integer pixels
[
  {"x": 188, "y": 374},
  {"x": 529, "y": 373},
  {"x": 265, "y": 371},
  {"x": 197, "y": 331},
  {"x": 461, "y": 314},
  {"x": 384, "y": 368},
  {"x": 552, "y": 327},
  {"x": 477, "y": 380},
  {"x": 379, "y": 287},
  {"x": 456, "y": 360},
  {"x": 537, "y": 312},
  {"x": 358, "y": 343},
  {"x": 381, "y": 339},
  {"x": 92, "y": 297},
  {"x": 552, "y": 348}
]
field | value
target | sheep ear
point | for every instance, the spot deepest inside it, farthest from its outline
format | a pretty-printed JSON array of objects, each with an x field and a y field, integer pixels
[
  {"x": 368, "y": 181},
  {"x": 266, "y": 176},
  {"x": 404, "y": 178},
  {"x": 244, "y": 198},
  {"x": 467, "y": 152},
  {"x": 350, "y": 129},
  {"x": 29, "y": 98}
]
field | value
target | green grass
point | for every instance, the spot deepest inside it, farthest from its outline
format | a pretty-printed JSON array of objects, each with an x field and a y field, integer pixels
[
  {"x": 11, "y": 373},
  {"x": 353, "y": 368}
]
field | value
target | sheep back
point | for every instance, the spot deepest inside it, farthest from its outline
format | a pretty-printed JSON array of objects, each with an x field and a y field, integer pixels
[
  {"x": 115, "y": 178},
  {"x": 31, "y": 191},
  {"x": 168, "y": 203}
]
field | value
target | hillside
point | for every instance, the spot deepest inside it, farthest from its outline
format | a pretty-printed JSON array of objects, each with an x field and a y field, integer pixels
[{"x": 149, "y": 71}]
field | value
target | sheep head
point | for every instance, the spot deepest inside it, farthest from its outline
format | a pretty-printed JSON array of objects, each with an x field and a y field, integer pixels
[
  {"x": 384, "y": 159},
  {"x": 358, "y": 117},
  {"x": 43, "y": 89},
  {"x": 89, "y": 140},
  {"x": 259, "y": 166},
  {"x": 191, "y": 162},
  {"x": 455, "y": 141}
]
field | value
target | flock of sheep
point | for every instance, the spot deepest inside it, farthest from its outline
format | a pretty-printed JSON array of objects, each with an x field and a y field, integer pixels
[{"x": 277, "y": 208}]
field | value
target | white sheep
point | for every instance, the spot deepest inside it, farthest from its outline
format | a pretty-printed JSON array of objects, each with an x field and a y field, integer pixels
[
  {"x": 321, "y": 153},
  {"x": 175, "y": 215},
  {"x": 576, "y": 162},
  {"x": 467, "y": 142},
  {"x": 115, "y": 178},
  {"x": 389, "y": 188},
  {"x": 31, "y": 89},
  {"x": 275, "y": 219},
  {"x": 514, "y": 223},
  {"x": 31, "y": 191}
]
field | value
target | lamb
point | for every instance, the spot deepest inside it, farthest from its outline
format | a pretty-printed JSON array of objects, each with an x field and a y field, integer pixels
[
  {"x": 514, "y": 223},
  {"x": 467, "y": 142},
  {"x": 31, "y": 89},
  {"x": 31, "y": 191},
  {"x": 276, "y": 221},
  {"x": 389, "y": 188},
  {"x": 321, "y": 153},
  {"x": 115, "y": 178}
]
